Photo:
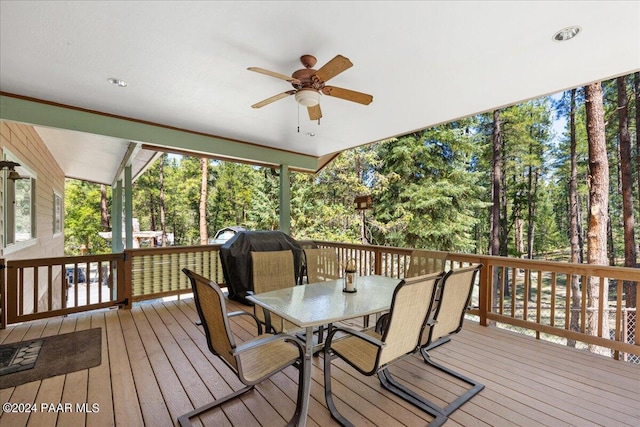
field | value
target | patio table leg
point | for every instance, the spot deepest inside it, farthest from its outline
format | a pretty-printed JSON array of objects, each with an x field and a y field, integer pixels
[{"x": 306, "y": 390}]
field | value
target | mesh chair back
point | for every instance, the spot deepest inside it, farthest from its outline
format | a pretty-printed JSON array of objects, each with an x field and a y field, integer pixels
[
  {"x": 272, "y": 270},
  {"x": 410, "y": 307},
  {"x": 454, "y": 300},
  {"x": 322, "y": 265},
  {"x": 212, "y": 309},
  {"x": 426, "y": 262}
]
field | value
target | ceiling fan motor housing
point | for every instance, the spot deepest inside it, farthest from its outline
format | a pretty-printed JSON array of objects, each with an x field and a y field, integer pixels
[{"x": 307, "y": 79}]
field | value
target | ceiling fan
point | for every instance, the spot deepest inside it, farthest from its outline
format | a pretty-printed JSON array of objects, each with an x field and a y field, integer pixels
[{"x": 309, "y": 83}]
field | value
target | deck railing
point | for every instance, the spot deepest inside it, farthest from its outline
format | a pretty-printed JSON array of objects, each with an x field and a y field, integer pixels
[
  {"x": 550, "y": 300},
  {"x": 534, "y": 297},
  {"x": 156, "y": 272},
  {"x": 46, "y": 287}
]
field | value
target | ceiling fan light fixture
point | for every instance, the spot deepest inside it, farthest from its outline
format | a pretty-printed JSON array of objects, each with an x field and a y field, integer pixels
[{"x": 308, "y": 97}]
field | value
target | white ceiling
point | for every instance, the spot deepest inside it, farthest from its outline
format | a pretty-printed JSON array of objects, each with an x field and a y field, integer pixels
[{"x": 424, "y": 62}]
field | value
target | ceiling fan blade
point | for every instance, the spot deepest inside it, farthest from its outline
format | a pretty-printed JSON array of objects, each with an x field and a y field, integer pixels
[
  {"x": 274, "y": 74},
  {"x": 333, "y": 68},
  {"x": 349, "y": 95},
  {"x": 314, "y": 112},
  {"x": 273, "y": 99}
]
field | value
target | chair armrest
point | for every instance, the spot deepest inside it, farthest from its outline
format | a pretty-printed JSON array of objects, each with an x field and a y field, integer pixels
[
  {"x": 382, "y": 323},
  {"x": 249, "y": 345},
  {"x": 243, "y": 313},
  {"x": 357, "y": 334}
]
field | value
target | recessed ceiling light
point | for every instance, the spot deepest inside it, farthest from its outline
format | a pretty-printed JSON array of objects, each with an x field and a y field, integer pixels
[
  {"x": 567, "y": 33},
  {"x": 117, "y": 82},
  {"x": 310, "y": 134}
]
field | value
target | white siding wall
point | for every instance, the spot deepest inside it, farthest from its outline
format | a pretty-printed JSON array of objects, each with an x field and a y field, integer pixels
[{"x": 25, "y": 143}]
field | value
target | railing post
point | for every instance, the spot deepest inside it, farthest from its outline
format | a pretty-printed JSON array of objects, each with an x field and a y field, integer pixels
[
  {"x": 484, "y": 296},
  {"x": 3, "y": 295},
  {"x": 11, "y": 305},
  {"x": 377, "y": 262},
  {"x": 124, "y": 279}
]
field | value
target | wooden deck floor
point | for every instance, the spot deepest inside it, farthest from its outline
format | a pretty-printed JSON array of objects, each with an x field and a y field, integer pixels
[{"x": 156, "y": 366}]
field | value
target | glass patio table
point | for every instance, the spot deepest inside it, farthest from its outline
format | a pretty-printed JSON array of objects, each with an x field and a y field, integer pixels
[{"x": 317, "y": 304}]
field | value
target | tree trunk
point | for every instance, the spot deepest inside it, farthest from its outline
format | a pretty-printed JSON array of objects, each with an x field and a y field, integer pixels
[
  {"x": 496, "y": 179},
  {"x": 636, "y": 89},
  {"x": 531, "y": 224},
  {"x": 504, "y": 215},
  {"x": 598, "y": 208},
  {"x": 204, "y": 167},
  {"x": 627, "y": 189},
  {"x": 152, "y": 212},
  {"x": 532, "y": 197},
  {"x": 518, "y": 229},
  {"x": 163, "y": 225},
  {"x": 104, "y": 212},
  {"x": 574, "y": 224}
]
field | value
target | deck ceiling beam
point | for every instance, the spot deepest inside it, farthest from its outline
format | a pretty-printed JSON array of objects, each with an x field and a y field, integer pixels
[{"x": 42, "y": 113}]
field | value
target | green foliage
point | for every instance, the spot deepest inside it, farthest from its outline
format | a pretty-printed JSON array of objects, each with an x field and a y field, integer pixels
[
  {"x": 322, "y": 205},
  {"x": 431, "y": 189},
  {"x": 428, "y": 193},
  {"x": 82, "y": 220}
]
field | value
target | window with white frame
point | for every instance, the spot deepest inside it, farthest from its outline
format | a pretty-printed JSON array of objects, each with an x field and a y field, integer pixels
[{"x": 20, "y": 204}]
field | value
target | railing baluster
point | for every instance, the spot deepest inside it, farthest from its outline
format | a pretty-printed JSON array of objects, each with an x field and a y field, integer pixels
[
  {"x": 601, "y": 316},
  {"x": 539, "y": 302},
  {"x": 503, "y": 285},
  {"x": 618, "y": 321},
  {"x": 583, "y": 308},
  {"x": 49, "y": 288},
  {"x": 527, "y": 284}
]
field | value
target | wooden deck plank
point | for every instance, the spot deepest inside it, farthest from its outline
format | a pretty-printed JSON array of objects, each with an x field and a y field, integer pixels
[
  {"x": 122, "y": 384},
  {"x": 615, "y": 402},
  {"x": 176, "y": 400},
  {"x": 156, "y": 365},
  {"x": 180, "y": 349},
  {"x": 154, "y": 410},
  {"x": 264, "y": 411},
  {"x": 99, "y": 388},
  {"x": 604, "y": 372},
  {"x": 557, "y": 386},
  {"x": 75, "y": 386},
  {"x": 220, "y": 378},
  {"x": 541, "y": 397},
  {"x": 49, "y": 396}
]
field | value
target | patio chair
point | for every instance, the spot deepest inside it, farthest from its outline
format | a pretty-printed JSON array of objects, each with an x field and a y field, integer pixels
[
  {"x": 425, "y": 262},
  {"x": 252, "y": 361},
  {"x": 272, "y": 270},
  {"x": 322, "y": 265},
  {"x": 447, "y": 320},
  {"x": 370, "y": 352}
]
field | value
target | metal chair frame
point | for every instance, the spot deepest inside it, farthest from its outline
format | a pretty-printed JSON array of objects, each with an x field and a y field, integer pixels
[
  {"x": 380, "y": 341},
  {"x": 202, "y": 284}
]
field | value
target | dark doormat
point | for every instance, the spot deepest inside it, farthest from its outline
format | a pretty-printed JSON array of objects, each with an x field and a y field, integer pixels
[{"x": 55, "y": 355}]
